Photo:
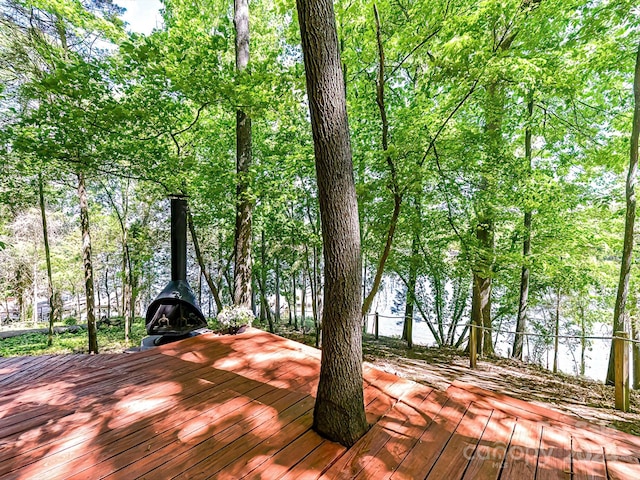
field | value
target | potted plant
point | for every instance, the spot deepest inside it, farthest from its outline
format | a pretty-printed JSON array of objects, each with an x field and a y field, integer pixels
[{"x": 235, "y": 319}]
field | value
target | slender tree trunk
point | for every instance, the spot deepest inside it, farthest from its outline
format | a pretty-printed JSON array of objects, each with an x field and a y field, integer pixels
[
  {"x": 47, "y": 255},
  {"x": 303, "y": 304},
  {"x": 583, "y": 341},
  {"x": 87, "y": 263},
  {"x": 627, "y": 249},
  {"x": 203, "y": 270},
  {"x": 407, "y": 329},
  {"x": 124, "y": 276},
  {"x": 277, "y": 262},
  {"x": 35, "y": 292},
  {"x": 263, "y": 284},
  {"x": 411, "y": 294},
  {"x": 317, "y": 299},
  {"x": 106, "y": 289},
  {"x": 314, "y": 294},
  {"x": 521, "y": 322},
  {"x": 339, "y": 409},
  {"x": 244, "y": 203},
  {"x": 635, "y": 353},
  {"x": 395, "y": 189},
  {"x": 116, "y": 295},
  {"x": 295, "y": 300},
  {"x": 556, "y": 334}
]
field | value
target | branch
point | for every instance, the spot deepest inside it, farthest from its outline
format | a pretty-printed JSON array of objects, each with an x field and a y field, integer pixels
[{"x": 444, "y": 124}]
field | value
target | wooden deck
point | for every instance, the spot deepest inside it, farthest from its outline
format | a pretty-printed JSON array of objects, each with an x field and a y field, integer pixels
[{"x": 241, "y": 407}]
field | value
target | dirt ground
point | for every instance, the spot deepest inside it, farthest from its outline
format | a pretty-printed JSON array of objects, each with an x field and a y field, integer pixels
[{"x": 587, "y": 399}]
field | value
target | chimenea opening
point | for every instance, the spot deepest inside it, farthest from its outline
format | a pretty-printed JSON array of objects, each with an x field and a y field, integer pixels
[{"x": 175, "y": 312}]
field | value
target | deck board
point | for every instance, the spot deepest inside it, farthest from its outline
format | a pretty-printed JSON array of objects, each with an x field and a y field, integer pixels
[{"x": 231, "y": 407}]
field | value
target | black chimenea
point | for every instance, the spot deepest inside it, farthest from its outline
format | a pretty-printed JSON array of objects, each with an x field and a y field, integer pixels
[{"x": 175, "y": 311}]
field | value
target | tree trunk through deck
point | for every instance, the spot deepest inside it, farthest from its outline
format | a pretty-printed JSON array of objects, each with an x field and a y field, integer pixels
[
  {"x": 339, "y": 409},
  {"x": 627, "y": 249},
  {"x": 87, "y": 264},
  {"x": 244, "y": 203}
]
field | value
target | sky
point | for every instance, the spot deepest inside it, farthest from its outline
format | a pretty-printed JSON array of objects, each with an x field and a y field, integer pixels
[{"x": 141, "y": 15}]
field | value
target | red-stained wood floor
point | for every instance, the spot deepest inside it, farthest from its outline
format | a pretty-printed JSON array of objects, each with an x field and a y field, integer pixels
[{"x": 241, "y": 406}]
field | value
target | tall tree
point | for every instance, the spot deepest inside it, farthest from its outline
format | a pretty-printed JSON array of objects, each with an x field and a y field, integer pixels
[
  {"x": 47, "y": 255},
  {"x": 244, "y": 202},
  {"x": 339, "y": 408},
  {"x": 87, "y": 263},
  {"x": 630, "y": 218},
  {"x": 393, "y": 184},
  {"x": 523, "y": 302}
]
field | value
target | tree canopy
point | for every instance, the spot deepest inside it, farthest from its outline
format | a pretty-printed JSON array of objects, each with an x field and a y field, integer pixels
[{"x": 441, "y": 97}]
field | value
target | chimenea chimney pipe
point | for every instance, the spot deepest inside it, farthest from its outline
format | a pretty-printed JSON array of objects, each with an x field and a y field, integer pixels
[{"x": 178, "y": 238}]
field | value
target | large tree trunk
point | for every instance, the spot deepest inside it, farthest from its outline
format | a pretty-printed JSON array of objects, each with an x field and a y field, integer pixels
[
  {"x": 47, "y": 255},
  {"x": 481, "y": 291},
  {"x": 521, "y": 322},
  {"x": 339, "y": 408},
  {"x": 627, "y": 249},
  {"x": 87, "y": 264},
  {"x": 244, "y": 203}
]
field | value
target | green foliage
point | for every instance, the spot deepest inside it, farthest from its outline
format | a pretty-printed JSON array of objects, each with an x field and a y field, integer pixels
[
  {"x": 110, "y": 339},
  {"x": 155, "y": 114}
]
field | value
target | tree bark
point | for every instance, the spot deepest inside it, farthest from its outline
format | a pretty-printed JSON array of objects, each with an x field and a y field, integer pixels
[
  {"x": 244, "y": 203},
  {"x": 87, "y": 264},
  {"x": 47, "y": 254},
  {"x": 339, "y": 409},
  {"x": 523, "y": 303},
  {"x": 481, "y": 291},
  {"x": 627, "y": 249}
]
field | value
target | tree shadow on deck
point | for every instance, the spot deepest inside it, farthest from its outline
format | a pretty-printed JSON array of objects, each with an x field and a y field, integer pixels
[{"x": 228, "y": 407}]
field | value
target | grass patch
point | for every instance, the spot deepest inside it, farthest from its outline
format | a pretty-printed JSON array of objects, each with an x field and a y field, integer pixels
[{"x": 110, "y": 340}]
